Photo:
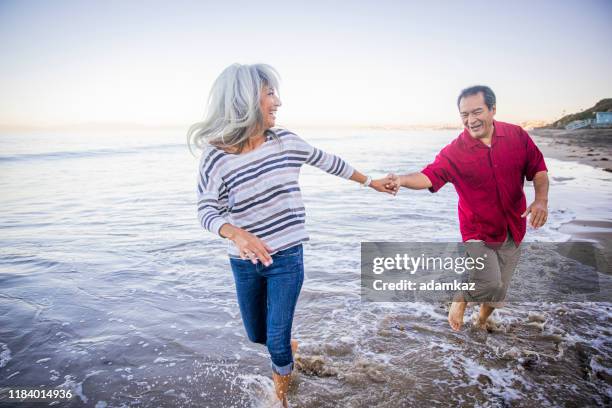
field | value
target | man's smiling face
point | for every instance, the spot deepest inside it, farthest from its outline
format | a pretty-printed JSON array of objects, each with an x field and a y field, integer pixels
[{"x": 476, "y": 116}]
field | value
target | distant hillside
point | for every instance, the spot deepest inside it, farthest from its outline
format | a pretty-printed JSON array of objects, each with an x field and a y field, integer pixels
[{"x": 605, "y": 105}]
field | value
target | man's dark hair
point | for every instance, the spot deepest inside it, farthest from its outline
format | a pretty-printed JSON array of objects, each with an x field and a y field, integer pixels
[{"x": 489, "y": 96}]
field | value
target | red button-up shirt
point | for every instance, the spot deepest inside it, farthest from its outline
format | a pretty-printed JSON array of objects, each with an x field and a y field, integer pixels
[{"x": 489, "y": 181}]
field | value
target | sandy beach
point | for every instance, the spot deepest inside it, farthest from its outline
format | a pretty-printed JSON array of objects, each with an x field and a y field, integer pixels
[
  {"x": 594, "y": 148},
  {"x": 587, "y": 146}
]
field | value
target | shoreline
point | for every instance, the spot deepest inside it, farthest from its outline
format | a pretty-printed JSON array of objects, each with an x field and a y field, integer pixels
[
  {"x": 592, "y": 147},
  {"x": 586, "y": 146},
  {"x": 599, "y": 232}
]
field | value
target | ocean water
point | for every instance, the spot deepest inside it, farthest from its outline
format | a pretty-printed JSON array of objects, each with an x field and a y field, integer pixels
[{"x": 110, "y": 287}]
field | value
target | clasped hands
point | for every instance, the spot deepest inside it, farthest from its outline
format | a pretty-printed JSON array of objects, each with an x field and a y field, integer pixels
[{"x": 389, "y": 184}]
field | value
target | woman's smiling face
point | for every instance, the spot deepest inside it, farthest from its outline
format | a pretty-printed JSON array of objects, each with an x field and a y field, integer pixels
[{"x": 269, "y": 103}]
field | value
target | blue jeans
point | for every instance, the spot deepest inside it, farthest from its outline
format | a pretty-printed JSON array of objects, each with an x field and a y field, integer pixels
[{"x": 267, "y": 296}]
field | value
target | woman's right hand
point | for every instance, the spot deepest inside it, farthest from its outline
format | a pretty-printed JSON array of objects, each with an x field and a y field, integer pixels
[{"x": 249, "y": 246}]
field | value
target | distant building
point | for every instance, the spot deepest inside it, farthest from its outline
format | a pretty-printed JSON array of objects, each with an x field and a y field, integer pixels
[
  {"x": 602, "y": 119},
  {"x": 579, "y": 124}
]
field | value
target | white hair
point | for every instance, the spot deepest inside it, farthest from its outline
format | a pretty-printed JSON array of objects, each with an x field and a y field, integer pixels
[{"x": 233, "y": 112}]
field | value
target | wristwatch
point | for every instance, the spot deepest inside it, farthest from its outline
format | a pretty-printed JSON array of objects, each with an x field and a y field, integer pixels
[{"x": 367, "y": 182}]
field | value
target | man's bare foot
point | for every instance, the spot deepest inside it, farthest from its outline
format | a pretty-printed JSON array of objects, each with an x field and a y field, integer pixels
[
  {"x": 483, "y": 316},
  {"x": 480, "y": 324},
  {"x": 488, "y": 325},
  {"x": 455, "y": 315}
]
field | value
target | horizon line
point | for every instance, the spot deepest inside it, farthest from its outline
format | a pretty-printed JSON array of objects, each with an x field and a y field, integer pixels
[{"x": 134, "y": 126}]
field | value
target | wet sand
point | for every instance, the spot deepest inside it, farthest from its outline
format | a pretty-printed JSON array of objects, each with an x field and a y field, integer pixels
[
  {"x": 594, "y": 148},
  {"x": 587, "y": 146},
  {"x": 593, "y": 231}
]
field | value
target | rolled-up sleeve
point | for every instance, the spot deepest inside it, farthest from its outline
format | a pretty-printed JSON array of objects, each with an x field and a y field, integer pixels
[
  {"x": 211, "y": 202},
  {"x": 438, "y": 172},
  {"x": 327, "y": 162},
  {"x": 535, "y": 159}
]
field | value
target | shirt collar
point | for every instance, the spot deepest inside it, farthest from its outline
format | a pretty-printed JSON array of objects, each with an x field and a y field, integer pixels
[
  {"x": 498, "y": 131},
  {"x": 269, "y": 134}
]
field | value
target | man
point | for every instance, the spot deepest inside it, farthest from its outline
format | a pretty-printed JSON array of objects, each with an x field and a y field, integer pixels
[{"x": 487, "y": 164}]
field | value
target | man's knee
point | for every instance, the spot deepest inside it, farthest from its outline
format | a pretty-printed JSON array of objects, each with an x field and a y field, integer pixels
[{"x": 487, "y": 291}]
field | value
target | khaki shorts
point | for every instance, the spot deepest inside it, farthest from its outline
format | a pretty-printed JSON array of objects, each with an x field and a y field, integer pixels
[{"x": 491, "y": 283}]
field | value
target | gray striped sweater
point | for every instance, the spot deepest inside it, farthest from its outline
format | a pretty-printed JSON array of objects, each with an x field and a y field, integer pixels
[{"x": 258, "y": 191}]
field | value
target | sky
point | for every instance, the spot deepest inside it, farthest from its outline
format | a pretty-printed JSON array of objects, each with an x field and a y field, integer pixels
[{"x": 355, "y": 63}]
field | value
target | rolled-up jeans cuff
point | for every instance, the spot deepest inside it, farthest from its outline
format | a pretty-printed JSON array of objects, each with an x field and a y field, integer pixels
[{"x": 284, "y": 370}]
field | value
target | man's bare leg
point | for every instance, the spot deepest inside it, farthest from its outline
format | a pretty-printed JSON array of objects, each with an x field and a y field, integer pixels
[
  {"x": 455, "y": 314},
  {"x": 483, "y": 316}
]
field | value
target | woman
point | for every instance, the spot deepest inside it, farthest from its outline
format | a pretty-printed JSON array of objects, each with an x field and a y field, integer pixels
[{"x": 248, "y": 192}]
